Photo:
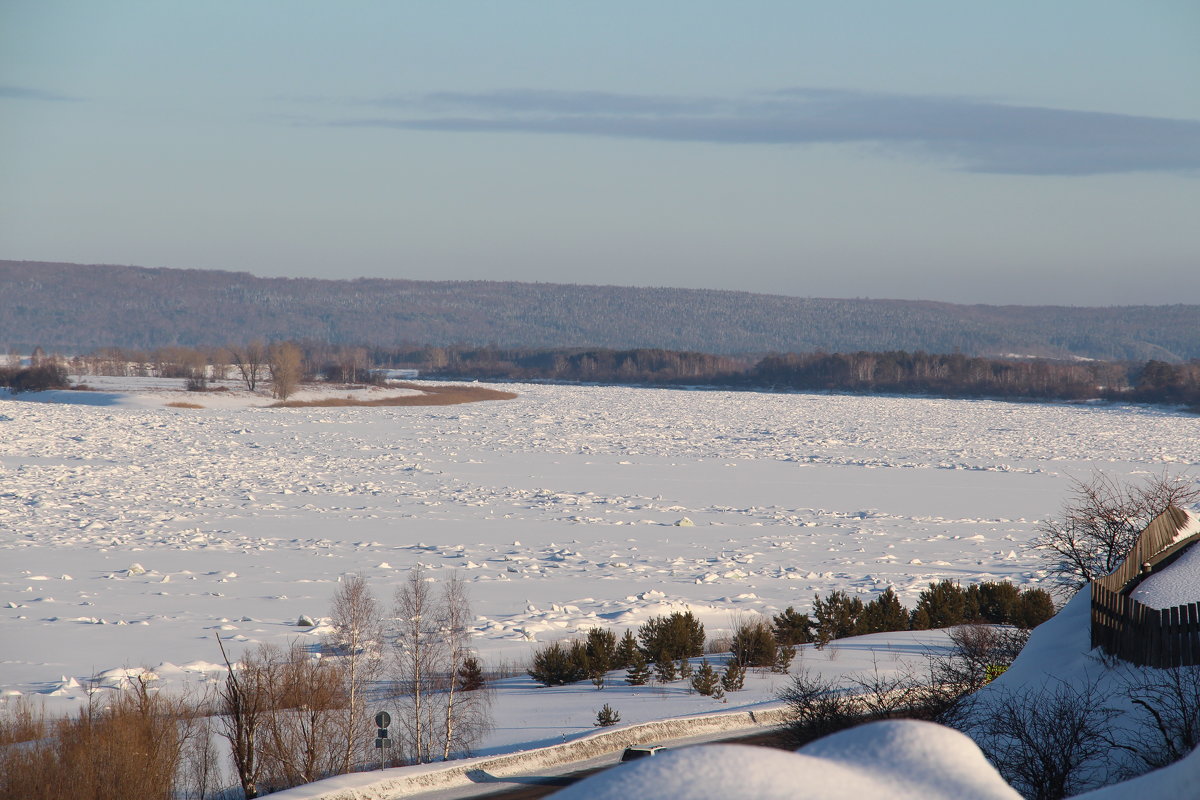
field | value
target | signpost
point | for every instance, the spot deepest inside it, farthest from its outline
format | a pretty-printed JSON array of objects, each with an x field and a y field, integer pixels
[{"x": 382, "y": 720}]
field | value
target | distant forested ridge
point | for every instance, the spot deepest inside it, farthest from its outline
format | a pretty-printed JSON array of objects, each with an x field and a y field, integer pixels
[{"x": 73, "y": 308}]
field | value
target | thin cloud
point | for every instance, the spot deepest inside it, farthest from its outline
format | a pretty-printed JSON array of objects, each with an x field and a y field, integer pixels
[
  {"x": 25, "y": 93},
  {"x": 969, "y": 134}
]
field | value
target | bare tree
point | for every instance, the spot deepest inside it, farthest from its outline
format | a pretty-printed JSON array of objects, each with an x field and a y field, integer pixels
[
  {"x": 244, "y": 701},
  {"x": 300, "y": 742},
  {"x": 420, "y": 653},
  {"x": 287, "y": 367},
  {"x": 1048, "y": 743},
  {"x": 1167, "y": 703},
  {"x": 466, "y": 712},
  {"x": 1102, "y": 519},
  {"x": 249, "y": 360},
  {"x": 357, "y": 635}
]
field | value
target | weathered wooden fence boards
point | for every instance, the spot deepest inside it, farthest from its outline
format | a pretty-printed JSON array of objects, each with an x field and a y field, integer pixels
[{"x": 1131, "y": 630}]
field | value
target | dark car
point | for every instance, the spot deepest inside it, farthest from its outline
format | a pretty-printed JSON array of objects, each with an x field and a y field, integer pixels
[{"x": 641, "y": 751}]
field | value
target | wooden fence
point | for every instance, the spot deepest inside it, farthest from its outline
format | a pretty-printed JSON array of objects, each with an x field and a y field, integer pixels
[{"x": 1131, "y": 630}]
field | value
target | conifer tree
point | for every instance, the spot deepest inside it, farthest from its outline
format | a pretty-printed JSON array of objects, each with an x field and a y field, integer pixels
[
  {"x": 470, "y": 675},
  {"x": 664, "y": 669},
  {"x": 883, "y": 614},
  {"x": 783, "y": 658},
  {"x": 601, "y": 647},
  {"x": 792, "y": 627},
  {"x": 734, "y": 676},
  {"x": 626, "y": 650},
  {"x": 607, "y": 716},
  {"x": 705, "y": 681},
  {"x": 639, "y": 671},
  {"x": 836, "y": 617}
]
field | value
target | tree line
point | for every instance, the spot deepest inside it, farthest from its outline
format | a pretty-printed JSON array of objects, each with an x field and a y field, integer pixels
[
  {"x": 283, "y": 365},
  {"x": 900, "y": 372}
]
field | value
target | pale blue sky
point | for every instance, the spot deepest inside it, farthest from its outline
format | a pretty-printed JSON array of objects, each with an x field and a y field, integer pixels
[{"x": 1007, "y": 152}]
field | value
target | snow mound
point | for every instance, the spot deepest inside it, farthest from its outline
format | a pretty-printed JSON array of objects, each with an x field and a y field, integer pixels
[
  {"x": 1177, "y": 780},
  {"x": 897, "y": 759}
]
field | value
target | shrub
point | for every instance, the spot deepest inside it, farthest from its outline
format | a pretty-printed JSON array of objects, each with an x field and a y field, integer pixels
[{"x": 817, "y": 707}]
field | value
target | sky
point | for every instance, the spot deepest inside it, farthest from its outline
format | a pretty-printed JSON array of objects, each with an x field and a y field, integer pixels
[{"x": 980, "y": 152}]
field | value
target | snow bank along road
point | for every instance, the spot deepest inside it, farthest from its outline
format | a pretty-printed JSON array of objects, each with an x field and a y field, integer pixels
[{"x": 132, "y": 535}]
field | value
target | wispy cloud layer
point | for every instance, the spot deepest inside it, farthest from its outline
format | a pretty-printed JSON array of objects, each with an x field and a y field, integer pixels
[
  {"x": 970, "y": 134},
  {"x": 25, "y": 93}
]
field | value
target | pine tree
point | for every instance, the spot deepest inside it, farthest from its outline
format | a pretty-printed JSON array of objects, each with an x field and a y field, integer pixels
[
  {"x": 601, "y": 646},
  {"x": 754, "y": 644},
  {"x": 792, "y": 627},
  {"x": 685, "y": 669},
  {"x": 626, "y": 650},
  {"x": 639, "y": 671},
  {"x": 734, "y": 676},
  {"x": 783, "y": 658},
  {"x": 607, "y": 716},
  {"x": 944, "y": 605},
  {"x": 705, "y": 681},
  {"x": 678, "y": 635},
  {"x": 883, "y": 614},
  {"x": 470, "y": 675},
  {"x": 837, "y": 616},
  {"x": 553, "y": 666},
  {"x": 664, "y": 669}
]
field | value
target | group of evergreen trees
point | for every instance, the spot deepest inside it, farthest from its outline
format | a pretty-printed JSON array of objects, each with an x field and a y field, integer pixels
[
  {"x": 943, "y": 605},
  {"x": 660, "y": 650},
  {"x": 662, "y": 647}
]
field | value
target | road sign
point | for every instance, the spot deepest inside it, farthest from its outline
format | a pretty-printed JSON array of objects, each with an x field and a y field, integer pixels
[
  {"x": 383, "y": 719},
  {"x": 382, "y": 743}
]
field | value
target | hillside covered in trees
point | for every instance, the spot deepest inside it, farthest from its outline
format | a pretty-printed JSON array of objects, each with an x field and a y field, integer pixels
[{"x": 74, "y": 308}]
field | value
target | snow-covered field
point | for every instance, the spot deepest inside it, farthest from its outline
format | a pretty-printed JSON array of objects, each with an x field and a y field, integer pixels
[{"x": 131, "y": 533}]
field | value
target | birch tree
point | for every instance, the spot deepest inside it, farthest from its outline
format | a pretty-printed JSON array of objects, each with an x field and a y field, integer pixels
[{"x": 356, "y": 638}]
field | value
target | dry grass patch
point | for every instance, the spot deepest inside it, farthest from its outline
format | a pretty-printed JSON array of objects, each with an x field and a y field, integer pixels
[
  {"x": 430, "y": 396},
  {"x": 184, "y": 405}
]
